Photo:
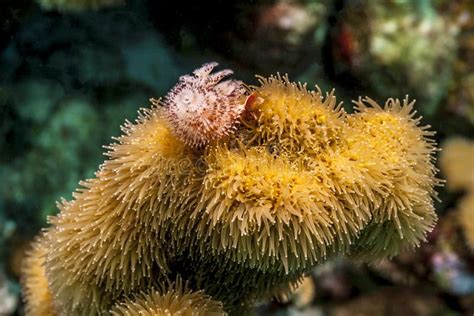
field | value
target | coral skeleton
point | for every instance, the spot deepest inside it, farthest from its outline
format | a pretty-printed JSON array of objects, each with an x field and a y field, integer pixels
[{"x": 295, "y": 181}]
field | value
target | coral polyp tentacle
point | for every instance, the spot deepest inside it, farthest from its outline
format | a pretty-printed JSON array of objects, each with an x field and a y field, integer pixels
[{"x": 298, "y": 182}]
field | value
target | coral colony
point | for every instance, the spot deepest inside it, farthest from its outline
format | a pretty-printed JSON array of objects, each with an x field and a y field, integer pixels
[{"x": 218, "y": 197}]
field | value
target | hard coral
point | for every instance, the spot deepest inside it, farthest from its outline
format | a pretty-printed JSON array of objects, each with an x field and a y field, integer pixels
[
  {"x": 38, "y": 297},
  {"x": 397, "y": 157},
  {"x": 175, "y": 301},
  {"x": 456, "y": 164},
  {"x": 246, "y": 217},
  {"x": 466, "y": 218},
  {"x": 120, "y": 219}
]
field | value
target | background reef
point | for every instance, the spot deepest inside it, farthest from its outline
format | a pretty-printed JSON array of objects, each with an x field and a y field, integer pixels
[{"x": 72, "y": 71}]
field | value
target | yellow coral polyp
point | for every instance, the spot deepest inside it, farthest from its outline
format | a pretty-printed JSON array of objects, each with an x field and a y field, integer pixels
[
  {"x": 295, "y": 118},
  {"x": 245, "y": 217},
  {"x": 119, "y": 219},
  {"x": 466, "y": 218},
  {"x": 398, "y": 158},
  {"x": 258, "y": 178},
  {"x": 177, "y": 300},
  {"x": 255, "y": 194},
  {"x": 456, "y": 164},
  {"x": 38, "y": 297}
]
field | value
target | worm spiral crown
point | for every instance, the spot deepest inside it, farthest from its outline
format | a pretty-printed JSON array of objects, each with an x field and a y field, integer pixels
[{"x": 202, "y": 108}]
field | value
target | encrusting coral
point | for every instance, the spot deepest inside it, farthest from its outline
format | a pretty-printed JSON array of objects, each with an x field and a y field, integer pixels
[{"x": 246, "y": 216}]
